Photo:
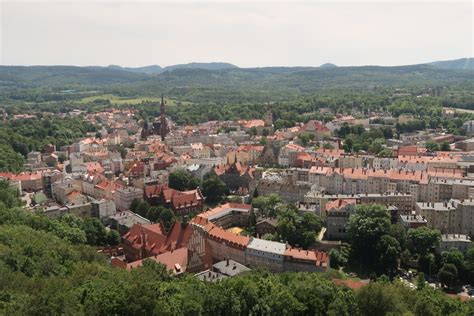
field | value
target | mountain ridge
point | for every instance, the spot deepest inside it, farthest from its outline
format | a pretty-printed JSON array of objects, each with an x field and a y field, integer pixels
[{"x": 224, "y": 75}]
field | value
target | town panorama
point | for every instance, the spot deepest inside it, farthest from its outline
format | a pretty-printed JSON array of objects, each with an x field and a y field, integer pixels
[{"x": 243, "y": 188}]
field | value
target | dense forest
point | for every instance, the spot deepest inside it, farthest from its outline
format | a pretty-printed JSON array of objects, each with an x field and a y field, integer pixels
[{"x": 19, "y": 137}]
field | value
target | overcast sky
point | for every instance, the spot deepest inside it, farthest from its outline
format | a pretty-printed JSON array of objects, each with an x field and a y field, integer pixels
[{"x": 248, "y": 34}]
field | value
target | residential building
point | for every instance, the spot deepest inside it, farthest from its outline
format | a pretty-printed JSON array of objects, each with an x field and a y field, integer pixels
[
  {"x": 410, "y": 221},
  {"x": 454, "y": 241},
  {"x": 123, "y": 197},
  {"x": 337, "y": 218}
]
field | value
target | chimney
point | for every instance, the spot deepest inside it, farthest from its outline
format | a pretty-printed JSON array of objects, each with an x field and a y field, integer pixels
[{"x": 227, "y": 262}]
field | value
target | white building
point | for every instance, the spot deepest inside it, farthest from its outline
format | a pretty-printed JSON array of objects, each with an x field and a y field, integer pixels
[{"x": 123, "y": 197}]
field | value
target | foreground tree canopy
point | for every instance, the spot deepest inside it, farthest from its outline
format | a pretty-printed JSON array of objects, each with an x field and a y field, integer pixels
[{"x": 47, "y": 267}]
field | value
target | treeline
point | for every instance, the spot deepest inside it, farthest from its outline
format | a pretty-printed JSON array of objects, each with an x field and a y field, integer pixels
[
  {"x": 19, "y": 137},
  {"x": 377, "y": 247},
  {"x": 296, "y": 229}
]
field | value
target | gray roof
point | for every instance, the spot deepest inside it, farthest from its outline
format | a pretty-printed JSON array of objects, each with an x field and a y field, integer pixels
[
  {"x": 129, "y": 219},
  {"x": 230, "y": 267},
  {"x": 455, "y": 237},
  {"x": 210, "y": 276},
  {"x": 267, "y": 246}
]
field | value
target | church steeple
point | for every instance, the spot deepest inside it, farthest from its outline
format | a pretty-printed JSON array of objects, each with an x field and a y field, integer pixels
[
  {"x": 268, "y": 118},
  {"x": 145, "y": 129},
  {"x": 163, "y": 123}
]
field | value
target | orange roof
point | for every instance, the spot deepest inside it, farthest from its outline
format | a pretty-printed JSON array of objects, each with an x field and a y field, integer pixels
[
  {"x": 220, "y": 234},
  {"x": 154, "y": 238},
  {"x": 400, "y": 175},
  {"x": 223, "y": 207},
  {"x": 411, "y": 150},
  {"x": 339, "y": 204},
  {"x": 426, "y": 159},
  {"x": 251, "y": 123},
  {"x": 294, "y": 147},
  {"x": 94, "y": 167},
  {"x": 23, "y": 176},
  {"x": 230, "y": 238},
  {"x": 319, "y": 258},
  {"x": 72, "y": 195},
  {"x": 315, "y": 126},
  {"x": 175, "y": 261},
  {"x": 329, "y": 152},
  {"x": 177, "y": 198},
  {"x": 250, "y": 148}
]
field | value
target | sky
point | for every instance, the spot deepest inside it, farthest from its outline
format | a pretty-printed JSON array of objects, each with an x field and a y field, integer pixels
[{"x": 245, "y": 33}]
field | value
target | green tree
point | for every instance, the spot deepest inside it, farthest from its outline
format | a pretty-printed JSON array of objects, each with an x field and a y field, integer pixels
[
  {"x": 213, "y": 188},
  {"x": 389, "y": 251},
  {"x": 182, "y": 180},
  {"x": 167, "y": 217},
  {"x": 432, "y": 146},
  {"x": 420, "y": 282},
  {"x": 448, "y": 274},
  {"x": 96, "y": 233},
  {"x": 135, "y": 204},
  {"x": 445, "y": 146},
  {"x": 113, "y": 238},
  {"x": 423, "y": 240},
  {"x": 267, "y": 205},
  {"x": 398, "y": 232},
  {"x": 154, "y": 213},
  {"x": 296, "y": 229},
  {"x": 143, "y": 208},
  {"x": 366, "y": 227},
  {"x": 379, "y": 298}
]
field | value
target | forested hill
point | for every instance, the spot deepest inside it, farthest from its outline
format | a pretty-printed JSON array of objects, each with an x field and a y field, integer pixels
[
  {"x": 462, "y": 63},
  {"x": 301, "y": 79}
]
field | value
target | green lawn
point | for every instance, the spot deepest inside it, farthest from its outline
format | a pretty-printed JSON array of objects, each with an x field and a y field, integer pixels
[{"x": 121, "y": 101}]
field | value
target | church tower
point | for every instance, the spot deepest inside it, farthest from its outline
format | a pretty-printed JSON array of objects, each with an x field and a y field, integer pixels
[
  {"x": 145, "y": 130},
  {"x": 268, "y": 118},
  {"x": 164, "y": 129}
]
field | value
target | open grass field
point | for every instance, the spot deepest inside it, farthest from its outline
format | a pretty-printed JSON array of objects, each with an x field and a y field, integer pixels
[{"x": 121, "y": 101}]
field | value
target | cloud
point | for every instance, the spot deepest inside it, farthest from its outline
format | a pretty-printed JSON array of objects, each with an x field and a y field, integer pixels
[{"x": 246, "y": 33}]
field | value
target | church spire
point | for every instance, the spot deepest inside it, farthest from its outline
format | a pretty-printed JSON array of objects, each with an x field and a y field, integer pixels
[{"x": 163, "y": 124}]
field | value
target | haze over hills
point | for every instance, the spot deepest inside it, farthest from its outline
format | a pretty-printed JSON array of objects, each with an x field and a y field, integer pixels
[
  {"x": 225, "y": 75},
  {"x": 155, "y": 69},
  {"x": 462, "y": 63}
]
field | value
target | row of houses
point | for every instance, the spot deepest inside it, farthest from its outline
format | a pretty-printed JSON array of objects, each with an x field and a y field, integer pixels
[{"x": 197, "y": 244}]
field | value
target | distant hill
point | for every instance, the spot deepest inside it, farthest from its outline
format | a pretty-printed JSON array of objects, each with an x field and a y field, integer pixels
[
  {"x": 155, "y": 69},
  {"x": 327, "y": 65},
  {"x": 206, "y": 66},
  {"x": 463, "y": 63},
  {"x": 152, "y": 69},
  {"x": 36, "y": 76},
  {"x": 226, "y": 76}
]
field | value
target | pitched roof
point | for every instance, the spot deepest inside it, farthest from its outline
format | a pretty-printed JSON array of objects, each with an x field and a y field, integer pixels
[
  {"x": 225, "y": 209},
  {"x": 339, "y": 204},
  {"x": 315, "y": 126},
  {"x": 319, "y": 258},
  {"x": 175, "y": 261}
]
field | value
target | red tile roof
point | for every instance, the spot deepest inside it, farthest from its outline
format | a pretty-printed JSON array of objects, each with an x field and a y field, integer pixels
[
  {"x": 177, "y": 198},
  {"x": 339, "y": 204},
  {"x": 315, "y": 126},
  {"x": 24, "y": 176},
  {"x": 319, "y": 258},
  {"x": 175, "y": 261}
]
